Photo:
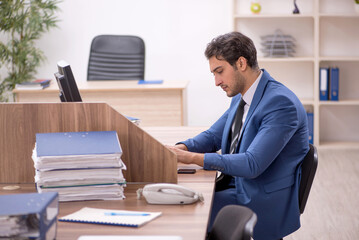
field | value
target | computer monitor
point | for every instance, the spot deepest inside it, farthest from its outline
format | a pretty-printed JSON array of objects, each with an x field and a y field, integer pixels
[{"x": 67, "y": 84}]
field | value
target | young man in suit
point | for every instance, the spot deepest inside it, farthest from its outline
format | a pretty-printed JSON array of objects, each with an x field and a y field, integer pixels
[{"x": 263, "y": 138}]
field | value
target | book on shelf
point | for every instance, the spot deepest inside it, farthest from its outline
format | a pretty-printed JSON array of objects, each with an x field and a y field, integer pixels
[
  {"x": 34, "y": 85},
  {"x": 310, "y": 117},
  {"x": 28, "y": 216},
  {"x": 329, "y": 84},
  {"x": 79, "y": 165},
  {"x": 111, "y": 217},
  {"x": 334, "y": 84},
  {"x": 323, "y": 84}
]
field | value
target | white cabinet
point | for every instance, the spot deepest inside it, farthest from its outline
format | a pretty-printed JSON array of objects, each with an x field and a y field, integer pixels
[{"x": 327, "y": 35}]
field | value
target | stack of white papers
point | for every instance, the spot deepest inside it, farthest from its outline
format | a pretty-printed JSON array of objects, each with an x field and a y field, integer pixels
[
  {"x": 79, "y": 165},
  {"x": 12, "y": 226}
]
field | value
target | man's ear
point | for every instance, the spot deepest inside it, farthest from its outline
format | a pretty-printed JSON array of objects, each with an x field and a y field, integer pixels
[{"x": 241, "y": 63}]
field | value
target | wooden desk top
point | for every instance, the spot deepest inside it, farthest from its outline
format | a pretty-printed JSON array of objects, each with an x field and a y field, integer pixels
[
  {"x": 172, "y": 135},
  {"x": 188, "y": 221},
  {"x": 118, "y": 86}
]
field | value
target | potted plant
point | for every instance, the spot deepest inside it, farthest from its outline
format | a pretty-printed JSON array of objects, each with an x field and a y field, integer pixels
[
  {"x": 356, "y": 5},
  {"x": 22, "y": 22}
]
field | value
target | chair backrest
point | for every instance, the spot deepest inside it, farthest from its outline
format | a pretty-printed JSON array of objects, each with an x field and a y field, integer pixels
[
  {"x": 116, "y": 57},
  {"x": 309, "y": 168},
  {"x": 233, "y": 222}
]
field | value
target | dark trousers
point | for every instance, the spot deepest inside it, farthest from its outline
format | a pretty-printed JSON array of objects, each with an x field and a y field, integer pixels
[{"x": 221, "y": 199}]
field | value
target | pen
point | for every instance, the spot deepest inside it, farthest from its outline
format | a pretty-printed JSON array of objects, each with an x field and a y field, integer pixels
[{"x": 126, "y": 214}]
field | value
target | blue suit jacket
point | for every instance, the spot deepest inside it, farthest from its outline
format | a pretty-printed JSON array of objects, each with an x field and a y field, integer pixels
[{"x": 272, "y": 145}]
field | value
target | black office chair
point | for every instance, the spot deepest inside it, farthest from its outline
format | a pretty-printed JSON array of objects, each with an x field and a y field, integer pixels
[
  {"x": 233, "y": 222},
  {"x": 116, "y": 57},
  {"x": 309, "y": 168}
]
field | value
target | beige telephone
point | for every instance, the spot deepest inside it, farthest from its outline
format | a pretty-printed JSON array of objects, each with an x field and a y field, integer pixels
[{"x": 168, "y": 193}]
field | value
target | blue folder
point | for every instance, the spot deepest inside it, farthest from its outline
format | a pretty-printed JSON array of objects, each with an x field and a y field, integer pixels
[
  {"x": 77, "y": 143},
  {"x": 323, "y": 84},
  {"x": 310, "y": 126},
  {"x": 38, "y": 209},
  {"x": 334, "y": 84},
  {"x": 150, "y": 81}
]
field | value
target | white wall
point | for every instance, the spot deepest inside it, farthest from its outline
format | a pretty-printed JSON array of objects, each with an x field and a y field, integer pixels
[{"x": 175, "y": 32}]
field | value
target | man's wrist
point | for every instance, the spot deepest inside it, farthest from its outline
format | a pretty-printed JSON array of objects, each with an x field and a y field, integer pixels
[{"x": 198, "y": 158}]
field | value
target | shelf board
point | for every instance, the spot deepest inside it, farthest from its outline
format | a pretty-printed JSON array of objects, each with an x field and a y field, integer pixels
[
  {"x": 286, "y": 59},
  {"x": 339, "y": 15},
  {"x": 340, "y": 103},
  {"x": 339, "y": 59},
  {"x": 307, "y": 101},
  {"x": 338, "y": 145},
  {"x": 276, "y": 16}
]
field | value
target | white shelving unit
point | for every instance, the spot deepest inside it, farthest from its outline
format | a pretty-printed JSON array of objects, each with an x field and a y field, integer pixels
[{"x": 327, "y": 35}]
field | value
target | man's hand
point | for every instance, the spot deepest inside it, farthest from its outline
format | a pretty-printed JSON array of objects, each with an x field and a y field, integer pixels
[
  {"x": 179, "y": 146},
  {"x": 184, "y": 156}
]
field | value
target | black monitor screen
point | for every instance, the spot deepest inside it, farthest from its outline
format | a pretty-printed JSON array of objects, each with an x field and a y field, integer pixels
[{"x": 67, "y": 84}]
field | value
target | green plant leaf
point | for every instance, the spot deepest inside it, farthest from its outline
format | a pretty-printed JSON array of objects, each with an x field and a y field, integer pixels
[{"x": 23, "y": 22}]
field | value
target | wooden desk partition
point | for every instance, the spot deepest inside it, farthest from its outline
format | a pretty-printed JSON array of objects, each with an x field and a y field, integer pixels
[{"x": 147, "y": 160}]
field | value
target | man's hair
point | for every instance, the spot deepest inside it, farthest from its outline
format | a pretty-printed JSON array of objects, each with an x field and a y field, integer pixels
[{"x": 230, "y": 47}]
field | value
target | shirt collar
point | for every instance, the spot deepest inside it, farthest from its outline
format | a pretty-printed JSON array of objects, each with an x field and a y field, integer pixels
[{"x": 248, "y": 96}]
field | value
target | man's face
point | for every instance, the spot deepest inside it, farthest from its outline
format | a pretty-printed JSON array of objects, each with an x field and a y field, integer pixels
[{"x": 227, "y": 77}]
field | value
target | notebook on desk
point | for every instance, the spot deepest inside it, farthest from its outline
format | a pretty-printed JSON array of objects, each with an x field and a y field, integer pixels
[
  {"x": 111, "y": 217},
  {"x": 109, "y": 237}
]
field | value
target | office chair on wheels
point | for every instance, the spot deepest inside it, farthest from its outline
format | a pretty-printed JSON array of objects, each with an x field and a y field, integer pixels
[
  {"x": 116, "y": 57},
  {"x": 233, "y": 222}
]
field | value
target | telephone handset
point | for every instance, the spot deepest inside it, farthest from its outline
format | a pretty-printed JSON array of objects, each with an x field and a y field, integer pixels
[{"x": 168, "y": 193}]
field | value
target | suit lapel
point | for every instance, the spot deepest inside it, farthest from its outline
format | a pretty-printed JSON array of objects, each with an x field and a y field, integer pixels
[{"x": 256, "y": 99}]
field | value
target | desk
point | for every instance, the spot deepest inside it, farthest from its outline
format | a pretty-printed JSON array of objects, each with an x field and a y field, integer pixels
[
  {"x": 155, "y": 104},
  {"x": 173, "y": 135},
  {"x": 187, "y": 221}
]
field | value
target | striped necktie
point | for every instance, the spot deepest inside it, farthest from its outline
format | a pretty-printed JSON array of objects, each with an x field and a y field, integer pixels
[{"x": 237, "y": 126}]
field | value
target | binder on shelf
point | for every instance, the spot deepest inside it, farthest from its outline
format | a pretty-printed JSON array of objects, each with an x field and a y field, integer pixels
[
  {"x": 323, "y": 84},
  {"x": 29, "y": 216},
  {"x": 110, "y": 217},
  {"x": 310, "y": 126},
  {"x": 334, "y": 84}
]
